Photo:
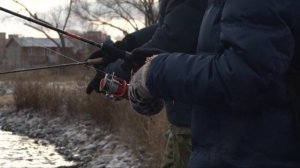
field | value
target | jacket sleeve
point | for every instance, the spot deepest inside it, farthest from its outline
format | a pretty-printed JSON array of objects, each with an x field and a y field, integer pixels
[
  {"x": 258, "y": 48},
  {"x": 143, "y": 35},
  {"x": 178, "y": 31},
  {"x": 135, "y": 39}
]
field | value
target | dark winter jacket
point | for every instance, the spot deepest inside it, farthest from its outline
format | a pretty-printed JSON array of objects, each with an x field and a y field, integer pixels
[
  {"x": 176, "y": 31},
  {"x": 236, "y": 83}
]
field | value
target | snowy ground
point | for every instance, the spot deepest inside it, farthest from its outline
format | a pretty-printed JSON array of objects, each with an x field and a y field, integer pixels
[{"x": 79, "y": 140}]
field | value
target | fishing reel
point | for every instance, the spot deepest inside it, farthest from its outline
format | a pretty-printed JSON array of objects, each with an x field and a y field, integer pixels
[{"x": 114, "y": 87}]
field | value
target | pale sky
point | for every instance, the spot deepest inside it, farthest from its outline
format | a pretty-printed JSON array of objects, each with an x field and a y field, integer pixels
[{"x": 12, "y": 25}]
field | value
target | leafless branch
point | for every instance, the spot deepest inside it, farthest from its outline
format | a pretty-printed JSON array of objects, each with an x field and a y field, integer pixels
[
  {"x": 130, "y": 11},
  {"x": 68, "y": 14},
  {"x": 56, "y": 17}
]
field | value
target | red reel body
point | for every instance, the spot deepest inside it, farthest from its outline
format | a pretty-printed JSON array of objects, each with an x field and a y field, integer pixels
[{"x": 113, "y": 86}]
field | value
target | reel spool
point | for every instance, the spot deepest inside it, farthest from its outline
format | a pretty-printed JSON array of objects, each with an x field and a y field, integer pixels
[{"x": 113, "y": 86}]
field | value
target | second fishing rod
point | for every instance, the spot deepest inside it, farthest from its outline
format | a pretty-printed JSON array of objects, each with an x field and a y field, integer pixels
[{"x": 110, "y": 84}]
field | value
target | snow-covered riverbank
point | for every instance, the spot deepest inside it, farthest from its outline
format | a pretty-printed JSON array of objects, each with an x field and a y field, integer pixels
[
  {"x": 75, "y": 136},
  {"x": 79, "y": 140}
]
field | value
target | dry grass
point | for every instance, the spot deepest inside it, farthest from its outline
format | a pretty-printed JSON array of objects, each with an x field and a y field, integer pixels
[
  {"x": 6, "y": 100},
  {"x": 41, "y": 94},
  {"x": 140, "y": 130},
  {"x": 6, "y": 103}
]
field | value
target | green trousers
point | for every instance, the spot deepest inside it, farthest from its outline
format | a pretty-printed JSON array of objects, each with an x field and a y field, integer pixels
[{"x": 178, "y": 147}]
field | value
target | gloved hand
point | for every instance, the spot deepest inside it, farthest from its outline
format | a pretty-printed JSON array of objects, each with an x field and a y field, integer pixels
[
  {"x": 115, "y": 68},
  {"x": 108, "y": 58},
  {"x": 111, "y": 68},
  {"x": 94, "y": 83},
  {"x": 139, "y": 96},
  {"x": 138, "y": 57},
  {"x": 128, "y": 43}
]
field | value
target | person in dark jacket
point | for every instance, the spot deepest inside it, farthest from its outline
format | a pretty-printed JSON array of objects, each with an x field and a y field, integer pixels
[
  {"x": 176, "y": 31},
  {"x": 236, "y": 83}
]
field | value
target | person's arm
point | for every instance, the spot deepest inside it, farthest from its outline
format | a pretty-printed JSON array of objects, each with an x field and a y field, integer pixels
[
  {"x": 179, "y": 28},
  {"x": 259, "y": 46},
  {"x": 136, "y": 39}
]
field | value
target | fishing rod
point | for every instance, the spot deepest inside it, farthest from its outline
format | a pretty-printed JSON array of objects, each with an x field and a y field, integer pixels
[
  {"x": 88, "y": 62},
  {"x": 111, "y": 84},
  {"x": 104, "y": 47}
]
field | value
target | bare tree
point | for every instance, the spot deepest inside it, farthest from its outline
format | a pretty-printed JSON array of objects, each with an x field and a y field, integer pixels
[
  {"x": 103, "y": 12},
  {"x": 56, "y": 18}
]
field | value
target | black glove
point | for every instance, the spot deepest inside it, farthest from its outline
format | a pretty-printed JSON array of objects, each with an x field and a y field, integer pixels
[
  {"x": 138, "y": 57},
  {"x": 110, "y": 51},
  {"x": 95, "y": 83},
  {"x": 128, "y": 43},
  {"x": 108, "y": 56},
  {"x": 111, "y": 68},
  {"x": 106, "y": 59},
  {"x": 115, "y": 68}
]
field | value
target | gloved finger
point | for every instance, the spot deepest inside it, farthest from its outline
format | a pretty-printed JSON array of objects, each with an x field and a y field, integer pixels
[
  {"x": 127, "y": 66},
  {"x": 116, "y": 68},
  {"x": 96, "y": 54},
  {"x": 128, "y": 43},
  {"x": 94, "y": 83},
  {"x": 139, "y": 55},
  {"x": 89, "y": 89},
  {"x": 106, "y": 58}
]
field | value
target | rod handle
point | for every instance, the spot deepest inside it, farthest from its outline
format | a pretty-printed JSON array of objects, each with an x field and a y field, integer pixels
[{"x": 94, "y": 61}]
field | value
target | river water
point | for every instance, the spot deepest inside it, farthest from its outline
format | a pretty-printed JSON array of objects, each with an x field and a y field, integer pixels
[{"x": 21, "y": 151}]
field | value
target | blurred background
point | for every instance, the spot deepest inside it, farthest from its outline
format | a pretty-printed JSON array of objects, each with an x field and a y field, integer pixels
[{"x": 53, "y": 92}]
